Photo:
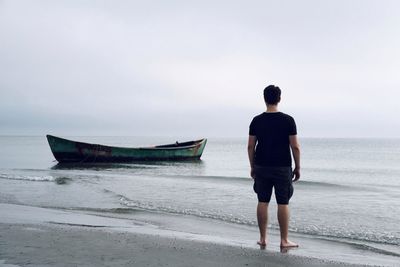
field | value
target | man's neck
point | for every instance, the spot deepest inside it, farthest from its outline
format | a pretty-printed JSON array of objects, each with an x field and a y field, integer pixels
[{"x": 272, "y": 108}]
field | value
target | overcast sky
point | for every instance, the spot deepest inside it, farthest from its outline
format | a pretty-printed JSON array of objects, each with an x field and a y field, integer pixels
[{"x": 198, "y": 68}]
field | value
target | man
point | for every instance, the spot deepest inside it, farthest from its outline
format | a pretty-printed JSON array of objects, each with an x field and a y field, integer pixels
[{"x": 271, "y": 137}]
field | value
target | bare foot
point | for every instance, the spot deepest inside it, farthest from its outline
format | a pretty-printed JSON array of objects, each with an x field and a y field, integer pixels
[
  {"x": 288, "y": 244},
  {"x": 262, "y": 243}
]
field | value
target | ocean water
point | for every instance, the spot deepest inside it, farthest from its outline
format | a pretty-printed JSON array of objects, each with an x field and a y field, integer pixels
[{"x": 349, "y": 190}]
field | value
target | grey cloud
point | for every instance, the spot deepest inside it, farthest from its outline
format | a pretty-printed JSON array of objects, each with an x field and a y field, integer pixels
[{"x": 162, "y": 66}]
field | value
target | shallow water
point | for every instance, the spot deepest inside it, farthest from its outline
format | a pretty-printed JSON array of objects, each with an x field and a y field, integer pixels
[{"x": 348, "y": 192}]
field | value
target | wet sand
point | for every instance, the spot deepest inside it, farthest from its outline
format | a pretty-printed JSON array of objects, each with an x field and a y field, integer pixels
[
  {"x": 68, "y": 245},
  {"x": 32, "y": 236}
]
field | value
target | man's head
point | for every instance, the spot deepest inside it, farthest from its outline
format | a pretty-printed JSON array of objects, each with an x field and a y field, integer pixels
[{"x": 272, "y": 95}]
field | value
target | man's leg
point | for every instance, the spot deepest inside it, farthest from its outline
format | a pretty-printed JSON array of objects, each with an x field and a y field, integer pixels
[
  {"x": 262, "y": 218},
  {"x": 283, "y": 218}
]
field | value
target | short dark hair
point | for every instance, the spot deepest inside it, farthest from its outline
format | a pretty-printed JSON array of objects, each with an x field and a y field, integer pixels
[{"x": 272, "y": 94}]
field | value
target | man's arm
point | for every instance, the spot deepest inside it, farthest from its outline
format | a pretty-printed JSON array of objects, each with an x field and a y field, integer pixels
[
  {"x": 295, "y": 146},
  {"x": 251, "y": 149}
]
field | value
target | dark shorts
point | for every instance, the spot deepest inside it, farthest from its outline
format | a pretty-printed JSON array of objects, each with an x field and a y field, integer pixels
[{"x": 279, "y": 178}]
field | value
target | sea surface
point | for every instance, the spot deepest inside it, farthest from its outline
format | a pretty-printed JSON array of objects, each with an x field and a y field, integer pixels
[{"x": 349, "y": 189}]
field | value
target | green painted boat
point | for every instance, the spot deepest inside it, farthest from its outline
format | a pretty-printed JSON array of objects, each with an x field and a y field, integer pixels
[{"x": 71, "y": 151}]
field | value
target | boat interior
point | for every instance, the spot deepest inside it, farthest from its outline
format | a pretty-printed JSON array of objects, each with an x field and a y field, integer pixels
[{"x": 177, "y": 144}]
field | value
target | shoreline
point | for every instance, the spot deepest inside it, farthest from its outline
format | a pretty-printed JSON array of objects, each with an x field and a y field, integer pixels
[
  {"x": 53, "y": 237},
  {"x": 77, "y": 245}
]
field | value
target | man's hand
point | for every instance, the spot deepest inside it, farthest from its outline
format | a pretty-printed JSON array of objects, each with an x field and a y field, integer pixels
[
  {"x": 252, "y": 173},
  {"x": 295, "y": 146},
  {"x": 296, "y": 174}
]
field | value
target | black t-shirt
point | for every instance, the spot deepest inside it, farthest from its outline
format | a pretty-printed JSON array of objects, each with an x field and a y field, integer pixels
[{"x": 272, "y": 131}]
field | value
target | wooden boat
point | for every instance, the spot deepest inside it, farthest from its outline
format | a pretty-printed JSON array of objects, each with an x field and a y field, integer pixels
[{"x": 71, "y": 151}]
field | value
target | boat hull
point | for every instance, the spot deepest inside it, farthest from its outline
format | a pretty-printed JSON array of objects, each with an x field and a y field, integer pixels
[{"x": 65, "y": 150}]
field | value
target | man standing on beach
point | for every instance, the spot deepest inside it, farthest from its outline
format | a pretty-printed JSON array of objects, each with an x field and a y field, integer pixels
[{"x": 271, "y": 137}]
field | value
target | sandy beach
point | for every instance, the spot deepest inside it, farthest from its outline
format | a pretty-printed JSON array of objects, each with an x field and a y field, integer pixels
[
  {"x": 44, "y": 245},
  {"x": 44, "y": 237}
]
